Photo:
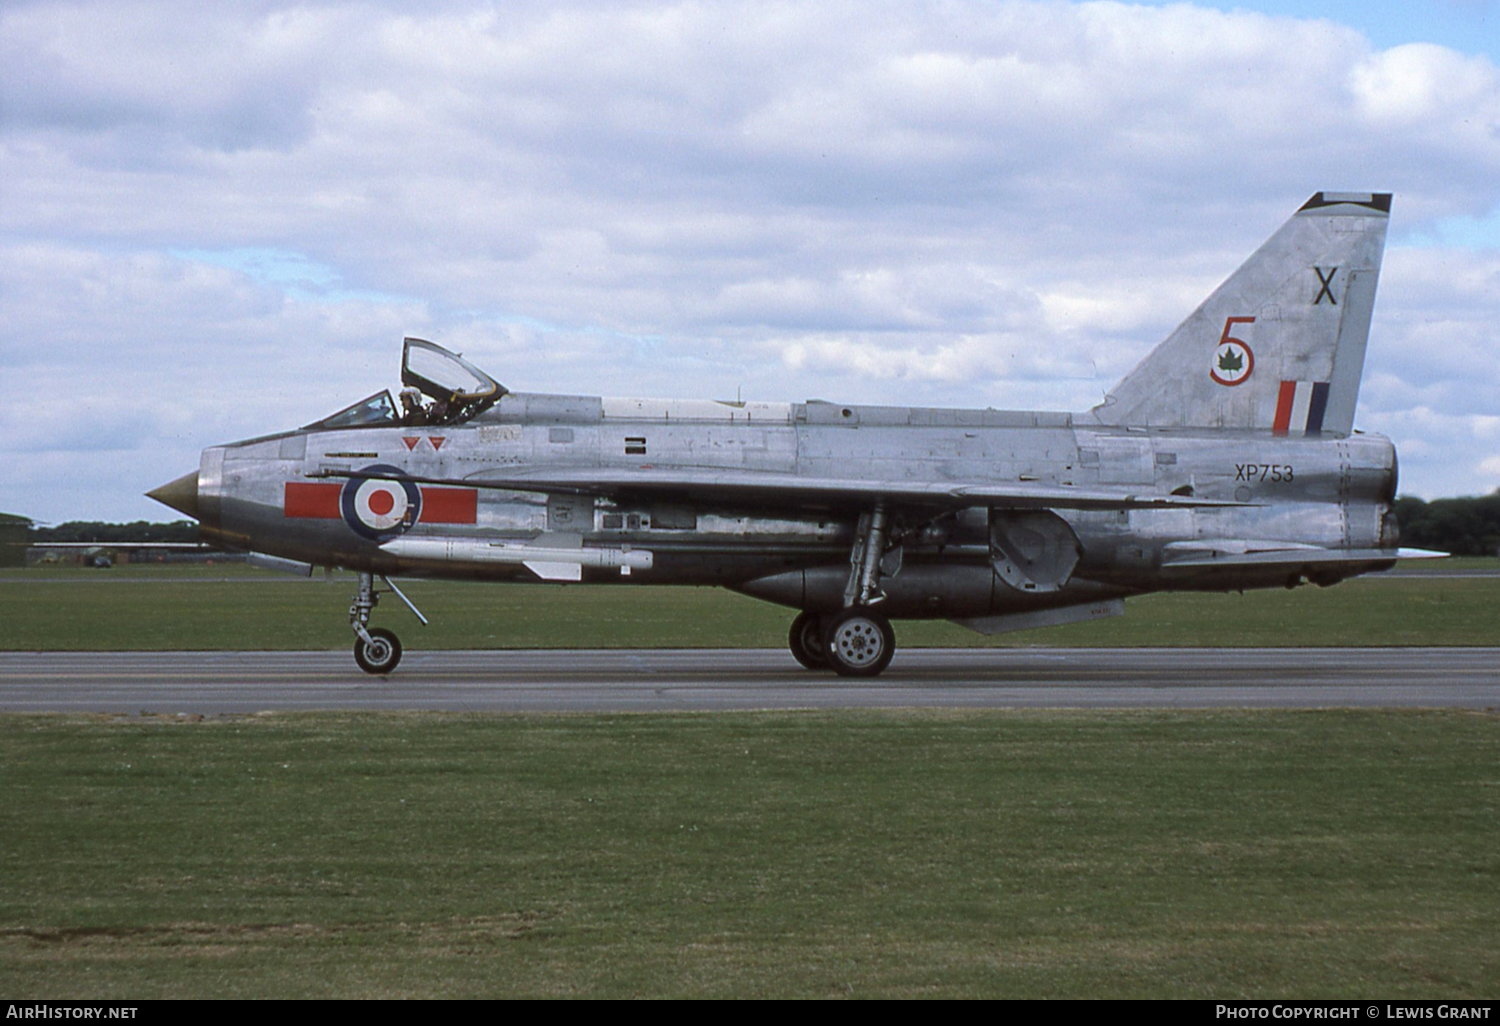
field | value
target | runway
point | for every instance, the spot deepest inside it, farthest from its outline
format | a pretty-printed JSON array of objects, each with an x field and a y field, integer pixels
[{"x": 212, "y": 683}]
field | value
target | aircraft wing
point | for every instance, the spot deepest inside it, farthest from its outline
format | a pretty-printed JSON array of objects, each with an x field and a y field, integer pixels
[{"x": 775, "y": 491}]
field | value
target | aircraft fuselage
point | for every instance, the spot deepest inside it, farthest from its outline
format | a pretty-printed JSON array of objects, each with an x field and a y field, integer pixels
[{"x": 296, "y": 495}]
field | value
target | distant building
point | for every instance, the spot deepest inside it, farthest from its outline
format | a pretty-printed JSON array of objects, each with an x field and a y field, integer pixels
[{"x": 15, "y": 535}]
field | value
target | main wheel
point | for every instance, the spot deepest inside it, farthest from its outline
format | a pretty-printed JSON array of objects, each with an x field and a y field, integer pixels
[
  {"x": 380, "y": 654},
  {"x": 859, "y": 642},
  {"x": 806, "y": 641}
]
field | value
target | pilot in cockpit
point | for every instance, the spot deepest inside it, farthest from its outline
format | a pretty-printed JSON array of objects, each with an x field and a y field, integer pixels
[{"x": 412, "y": 413}]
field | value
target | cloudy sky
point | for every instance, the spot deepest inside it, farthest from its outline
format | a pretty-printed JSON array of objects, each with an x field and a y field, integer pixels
[{"x": 219, "y": 220}]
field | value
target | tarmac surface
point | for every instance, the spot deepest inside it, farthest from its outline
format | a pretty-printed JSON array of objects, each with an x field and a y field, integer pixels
[{"x": 210, "y": 683}]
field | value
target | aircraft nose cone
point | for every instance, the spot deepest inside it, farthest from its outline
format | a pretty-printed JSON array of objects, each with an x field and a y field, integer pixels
[{"x": 181, "y": 494}]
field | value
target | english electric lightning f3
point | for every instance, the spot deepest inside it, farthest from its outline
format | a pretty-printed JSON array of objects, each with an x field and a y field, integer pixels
[{"x": 1225, "y": 460}]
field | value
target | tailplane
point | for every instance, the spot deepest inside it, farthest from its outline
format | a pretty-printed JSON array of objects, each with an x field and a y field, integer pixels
[{"x": 1279, "y": 346}]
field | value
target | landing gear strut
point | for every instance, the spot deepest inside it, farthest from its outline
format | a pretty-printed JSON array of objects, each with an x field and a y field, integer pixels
[
  {"x": 857, "y": 641},
  {"x": 376, "y": 650}
]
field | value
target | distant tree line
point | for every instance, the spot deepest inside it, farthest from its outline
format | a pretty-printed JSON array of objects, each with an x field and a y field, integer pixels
[
  {"x": 1464, "y": 527},
  {"x": 96, "y": 531}
]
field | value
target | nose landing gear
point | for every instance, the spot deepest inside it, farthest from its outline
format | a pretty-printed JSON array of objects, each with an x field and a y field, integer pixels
[{"x": 376, "y": 650}]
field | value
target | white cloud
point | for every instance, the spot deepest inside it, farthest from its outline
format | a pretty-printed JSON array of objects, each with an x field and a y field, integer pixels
[{"x": 1426, "y": 86}]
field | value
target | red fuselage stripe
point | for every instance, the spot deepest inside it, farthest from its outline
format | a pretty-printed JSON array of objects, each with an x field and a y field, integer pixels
[
  {"x": 314, "y": 499},
  {"x": 449, "y": 506}
]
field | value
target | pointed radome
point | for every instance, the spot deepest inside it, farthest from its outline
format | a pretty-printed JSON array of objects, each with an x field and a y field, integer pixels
[{"x": 181, "y": 494}]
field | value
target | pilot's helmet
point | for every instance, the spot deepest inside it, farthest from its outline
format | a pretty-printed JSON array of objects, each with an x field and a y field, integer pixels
[{"x": 411, "y": 394}]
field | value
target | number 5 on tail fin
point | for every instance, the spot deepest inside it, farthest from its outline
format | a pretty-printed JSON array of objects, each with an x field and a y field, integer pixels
[{"x": 1280, "y": 345}]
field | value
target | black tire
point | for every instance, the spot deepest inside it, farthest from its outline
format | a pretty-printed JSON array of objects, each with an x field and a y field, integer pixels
[
  {"x": 859, "y": 643},
  {"x": 805, "y": 639},
  {"x": 381, "y": 655}
]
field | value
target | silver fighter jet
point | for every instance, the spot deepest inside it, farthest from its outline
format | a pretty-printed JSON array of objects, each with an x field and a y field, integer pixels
[{"x": 1226, "y": 460}]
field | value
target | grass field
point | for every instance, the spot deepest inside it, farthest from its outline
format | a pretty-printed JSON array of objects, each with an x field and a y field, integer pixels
[
  {"x": 865, "y": 854},
  {"x": 1224, "y": 854},
  {"x": 240, "y": 608}
]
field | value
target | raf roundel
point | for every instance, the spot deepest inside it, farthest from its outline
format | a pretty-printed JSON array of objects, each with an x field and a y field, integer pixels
[{"x": 378, "y": 508}]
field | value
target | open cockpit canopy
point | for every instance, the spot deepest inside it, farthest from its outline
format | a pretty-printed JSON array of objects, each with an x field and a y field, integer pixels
[
  {"x": 448, "y": 379},
  {"x": 455, "y": 388}
]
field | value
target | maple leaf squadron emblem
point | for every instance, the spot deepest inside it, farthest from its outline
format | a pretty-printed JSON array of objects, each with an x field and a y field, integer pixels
[{"x": 1233, "y": 362}]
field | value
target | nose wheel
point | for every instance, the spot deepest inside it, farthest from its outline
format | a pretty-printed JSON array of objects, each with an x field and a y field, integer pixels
[{"x": 378, "y": 651}]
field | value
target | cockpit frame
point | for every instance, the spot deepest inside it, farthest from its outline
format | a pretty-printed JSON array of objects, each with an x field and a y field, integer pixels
[{"x": 458, "y": 391}]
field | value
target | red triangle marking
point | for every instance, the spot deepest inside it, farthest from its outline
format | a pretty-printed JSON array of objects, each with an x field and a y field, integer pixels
[
  {"x": 411, "y": 443},
  {"x": 436, "y": 440}
]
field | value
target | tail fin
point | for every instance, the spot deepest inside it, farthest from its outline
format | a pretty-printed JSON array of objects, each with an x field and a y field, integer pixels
[{"x": 1280, "y": 345}]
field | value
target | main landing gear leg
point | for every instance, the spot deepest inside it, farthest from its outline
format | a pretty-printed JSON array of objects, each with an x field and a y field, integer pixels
[
  {"x": 858, "y": 640},
  {"x": 376, "y": 649},
  {"x": 870, "y": 537}
]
